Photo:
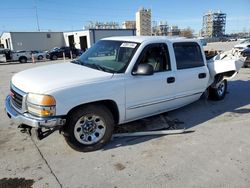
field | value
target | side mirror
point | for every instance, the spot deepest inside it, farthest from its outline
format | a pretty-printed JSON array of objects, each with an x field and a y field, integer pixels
[{"x": 144, "y": 69}]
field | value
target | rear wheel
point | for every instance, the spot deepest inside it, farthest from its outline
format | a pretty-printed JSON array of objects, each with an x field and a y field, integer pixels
[
  {"x": 219, "y": 92},
  {"x": 23, "y": 59},
  {"x": 89, "y": 128}
]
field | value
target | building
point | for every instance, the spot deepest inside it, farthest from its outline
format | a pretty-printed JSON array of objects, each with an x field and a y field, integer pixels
[
  {"x": 160, "y": 29},
  {"x": 174, "y": 31},
  {"x": 129, "y": 25},
  {"x": 47, "y": 40},
  {"x": 143, "y": 22},
  {"x": 102, "y": 25},
  {"x": 32, "y": 40},
  {"x": 86, "y": 38},
  {"x": 214, "y": 24}
]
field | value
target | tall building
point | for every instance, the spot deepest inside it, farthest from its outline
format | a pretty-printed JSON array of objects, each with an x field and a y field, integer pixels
[
  {"x": 143, "y": 22},
  {"x": 128, "y": 25},
  {"x": 214, "y": 24}
]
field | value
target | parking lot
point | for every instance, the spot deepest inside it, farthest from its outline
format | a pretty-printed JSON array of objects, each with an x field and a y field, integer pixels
[{"x": 216, "y": 154}]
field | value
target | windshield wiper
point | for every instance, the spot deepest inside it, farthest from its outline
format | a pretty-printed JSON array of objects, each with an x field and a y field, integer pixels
[
  {"x": 77, "y": 61},
  {"x": 98, "y": 67},
  {"x": 92, "y": 65}
]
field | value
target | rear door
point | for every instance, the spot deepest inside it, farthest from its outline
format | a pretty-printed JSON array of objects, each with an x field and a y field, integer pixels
[
  {"x": 148, "y": 95},
  {"x": 192, "y": 74}
]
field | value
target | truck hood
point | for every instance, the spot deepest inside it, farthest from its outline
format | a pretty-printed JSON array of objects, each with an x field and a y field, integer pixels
[
  {"x": 52, "y": 77},
  {"x": 242, "y": 45}
]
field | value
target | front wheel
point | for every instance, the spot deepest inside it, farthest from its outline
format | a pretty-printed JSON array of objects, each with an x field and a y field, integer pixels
[
  {"x": 40, "y": 57},
  {"x": 89, "y": 128},
  {"x": 54, "y": 57},
  {"x": 73, "y": 56},
  {"x": 219, "y": 92}
]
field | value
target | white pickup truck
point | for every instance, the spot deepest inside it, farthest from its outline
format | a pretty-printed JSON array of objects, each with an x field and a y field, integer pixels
[{"x": 137, "y": 77}]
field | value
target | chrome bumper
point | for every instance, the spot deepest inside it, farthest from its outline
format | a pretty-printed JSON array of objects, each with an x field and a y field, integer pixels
[{"x": 30, "y": 120}]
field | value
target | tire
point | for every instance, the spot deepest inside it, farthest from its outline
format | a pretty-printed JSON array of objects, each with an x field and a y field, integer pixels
[
  {"x": 40, "y": 57},
  {"x": 89, "y": 128},
  {"x": 23, "y": 59},
  {"x": 73, "y": 56},
  {"x": 54, "y": 57},
  {"x": 246, "y": 65},
  {"x": 218, "y": 93}
]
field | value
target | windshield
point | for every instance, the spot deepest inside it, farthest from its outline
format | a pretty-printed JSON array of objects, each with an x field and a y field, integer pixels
[
  {"x": 108, "y": 56},
  {"x": 245, "y": 41}
]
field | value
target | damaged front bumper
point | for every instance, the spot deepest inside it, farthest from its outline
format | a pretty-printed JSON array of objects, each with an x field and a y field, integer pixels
[{"x": 29, "y": 120}]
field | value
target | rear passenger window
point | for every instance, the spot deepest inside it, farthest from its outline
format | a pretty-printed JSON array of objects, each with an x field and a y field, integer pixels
[{"x": 188, "y": 55}]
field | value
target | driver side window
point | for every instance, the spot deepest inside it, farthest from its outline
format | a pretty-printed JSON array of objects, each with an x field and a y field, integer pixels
[{"x": 157, "y": 56}]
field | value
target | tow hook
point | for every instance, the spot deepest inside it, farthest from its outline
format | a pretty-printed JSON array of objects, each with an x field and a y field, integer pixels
[
  {"x": 40, "y": 134},
  {"x": 25, "y": 129}
]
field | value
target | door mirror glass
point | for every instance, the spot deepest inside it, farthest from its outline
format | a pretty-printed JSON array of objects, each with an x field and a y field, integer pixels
[{"x": 144, "y": 69}]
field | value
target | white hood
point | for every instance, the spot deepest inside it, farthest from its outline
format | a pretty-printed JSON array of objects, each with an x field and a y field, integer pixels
[{"x": 52, "y": 77}]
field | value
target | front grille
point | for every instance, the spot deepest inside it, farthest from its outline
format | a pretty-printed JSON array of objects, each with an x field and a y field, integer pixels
[{"x": 16, "y": 99}]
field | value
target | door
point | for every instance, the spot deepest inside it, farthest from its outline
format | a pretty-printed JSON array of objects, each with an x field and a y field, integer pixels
[
  {"x": 83, "y": 43},
  {"x": 192, "y": 74},
  {"x": 71, "y": 41},
  {"x": 149, "y": 95}
]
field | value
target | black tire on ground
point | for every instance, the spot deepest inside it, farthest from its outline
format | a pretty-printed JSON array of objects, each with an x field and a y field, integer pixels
[
  {"x": 73, "y": 56},
  {"x": 89, "y": 128},
  {"x": 23, "y": 59},
  {"x": 246, "y": 64},
  {"x": 40, "y": 57},
  {"x": 54, "y": 57},
  {"x": 218, "y": 93}
]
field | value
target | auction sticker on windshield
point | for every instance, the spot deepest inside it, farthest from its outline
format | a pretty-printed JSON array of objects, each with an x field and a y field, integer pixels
[{"x": 128, "y": 45}]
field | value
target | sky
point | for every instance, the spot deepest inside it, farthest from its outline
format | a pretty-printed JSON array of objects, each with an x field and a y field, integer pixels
[{"x": 59, "y": 15}]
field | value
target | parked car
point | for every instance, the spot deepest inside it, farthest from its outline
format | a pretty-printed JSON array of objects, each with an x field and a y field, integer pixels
[
  {"x": 246, "y": 53},
  {"x": 237, "y": 49},
  {"x": 87, "y": 97},
  {"x": 58, "y": 53},
  {"x": 39, "y": 55}
]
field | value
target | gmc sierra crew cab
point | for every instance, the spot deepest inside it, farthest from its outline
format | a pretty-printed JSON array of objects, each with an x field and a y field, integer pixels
[{"x": 137, "y": 77}]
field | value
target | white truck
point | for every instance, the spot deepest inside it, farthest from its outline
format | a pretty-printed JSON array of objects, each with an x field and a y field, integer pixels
[
  {"x": 9, "y": 55},
  {"x": 139, "y": 77},
  {"x": 21, "y": 56}
]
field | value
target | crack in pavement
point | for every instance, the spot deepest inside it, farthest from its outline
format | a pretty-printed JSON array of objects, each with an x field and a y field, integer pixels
[{"x": 46, "y": 162}]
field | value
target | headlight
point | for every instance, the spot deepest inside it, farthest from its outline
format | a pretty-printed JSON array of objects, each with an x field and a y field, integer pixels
[{"x": 41, "y": 105}]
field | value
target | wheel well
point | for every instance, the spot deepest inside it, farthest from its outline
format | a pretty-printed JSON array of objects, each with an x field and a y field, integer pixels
[
  {"x": 23, "y": 57},
  {"x": 111, "y": 105},
  {"x": 222, "y": 75}
]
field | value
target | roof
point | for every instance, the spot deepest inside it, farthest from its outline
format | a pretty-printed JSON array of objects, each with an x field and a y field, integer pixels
[
  {"x": 141, "y": 39},
  {"x": 91, "y": 29},
  {"x": 32, "y": 32}
]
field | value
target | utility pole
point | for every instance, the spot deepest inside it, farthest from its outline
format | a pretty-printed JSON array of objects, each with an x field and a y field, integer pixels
[{"x": 37, "y": 20}]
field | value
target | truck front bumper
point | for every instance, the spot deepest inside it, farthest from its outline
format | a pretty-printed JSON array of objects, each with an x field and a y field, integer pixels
[{"x": 28, "y": 119}]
